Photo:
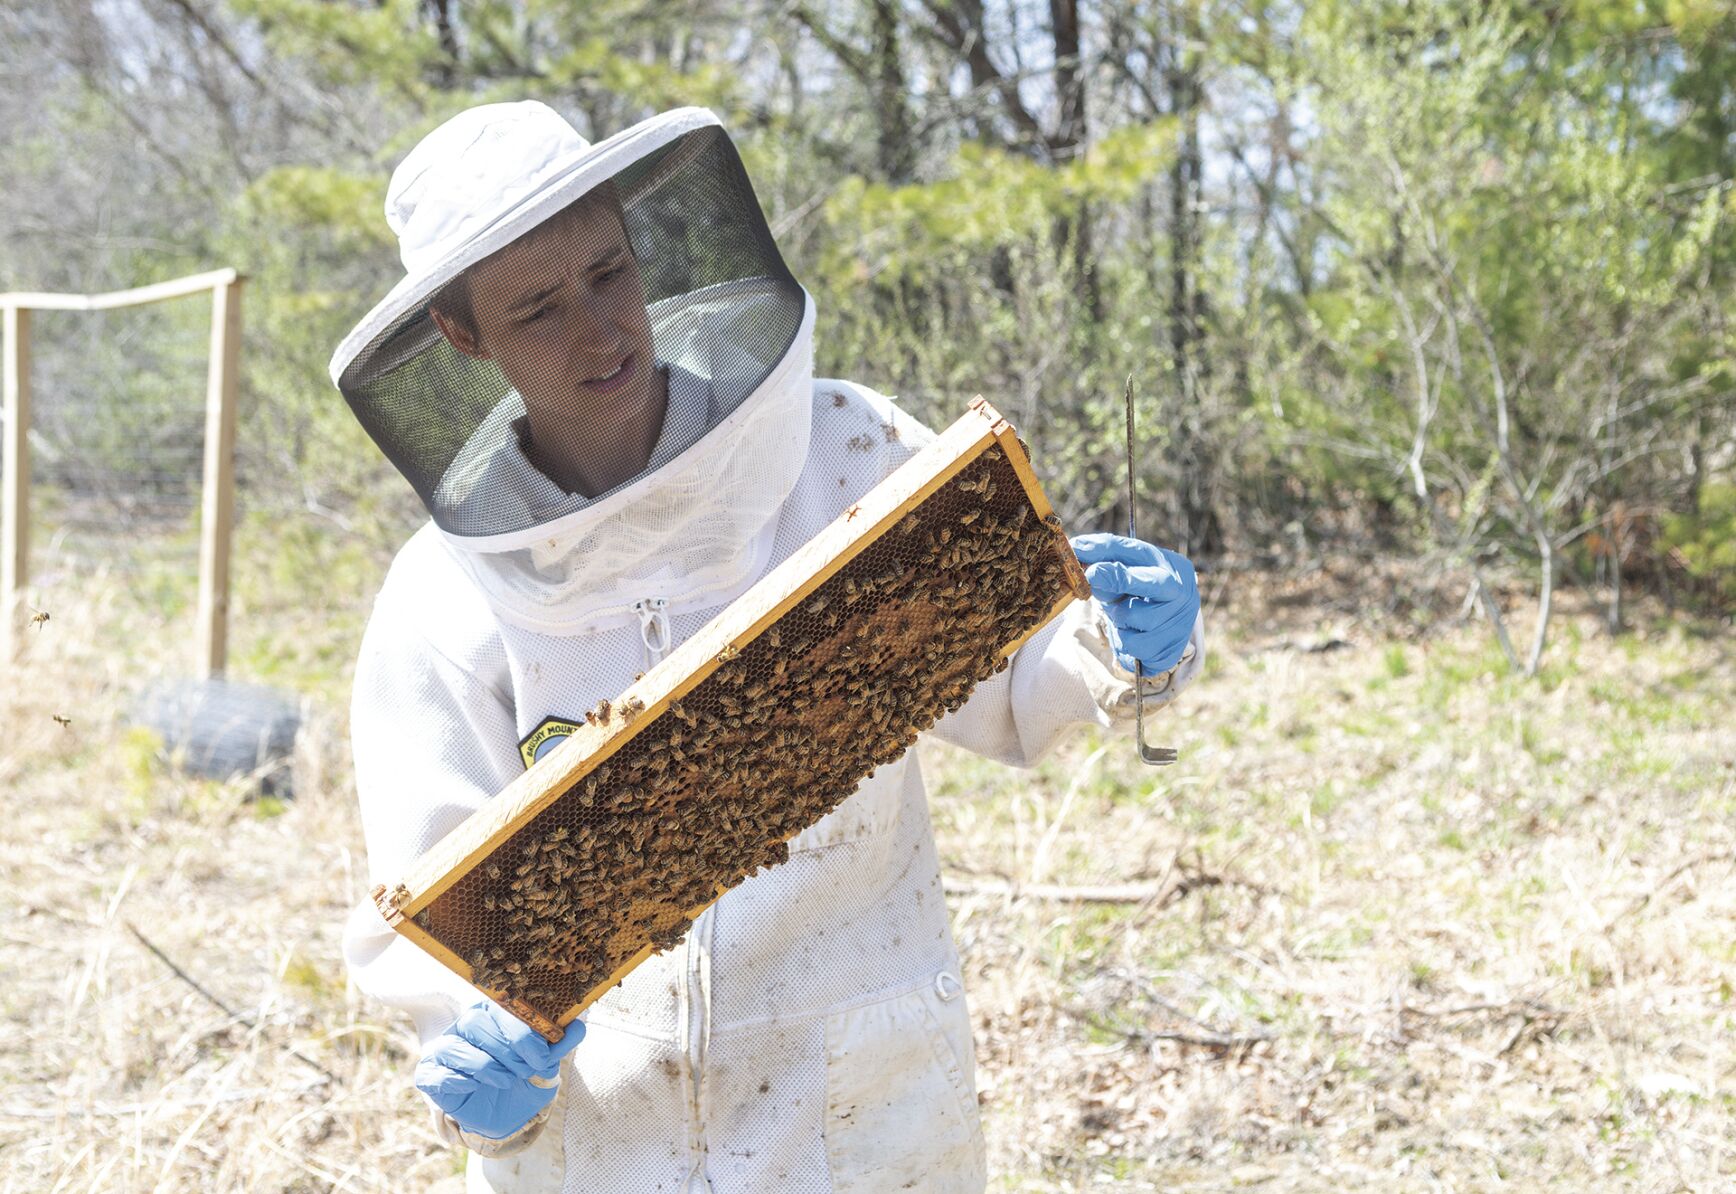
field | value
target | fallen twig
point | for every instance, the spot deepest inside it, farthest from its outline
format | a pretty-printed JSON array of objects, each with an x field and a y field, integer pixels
[
  {"x": 1157, "y": 894},
  {"x": 1108, "y": 893},
  {"x": 1207, "y": 1039},
  {"x": 1664, "y": 884},
  {"x": 218, "y": 1003}
]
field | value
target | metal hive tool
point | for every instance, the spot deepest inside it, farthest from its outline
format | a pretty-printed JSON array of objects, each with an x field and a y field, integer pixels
[{"x": 703, "y": 769}]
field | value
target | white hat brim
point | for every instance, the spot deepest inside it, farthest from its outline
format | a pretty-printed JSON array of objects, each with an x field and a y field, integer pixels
[{"x": 586, "y": 170}]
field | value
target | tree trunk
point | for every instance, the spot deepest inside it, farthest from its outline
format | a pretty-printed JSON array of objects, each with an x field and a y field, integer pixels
[
  {"x": 895, "y": 153},
  {"x": 1198, "y": 531},
  {"x": 1068, "y": 144},
  {"x": 440, "y": 11}
]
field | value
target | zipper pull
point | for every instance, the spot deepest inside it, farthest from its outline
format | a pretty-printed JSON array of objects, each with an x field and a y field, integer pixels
[{"x": 653, "y": 626}]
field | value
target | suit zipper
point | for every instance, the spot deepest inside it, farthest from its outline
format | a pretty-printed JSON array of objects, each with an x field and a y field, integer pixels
[{"x": 694, "y": 1007}]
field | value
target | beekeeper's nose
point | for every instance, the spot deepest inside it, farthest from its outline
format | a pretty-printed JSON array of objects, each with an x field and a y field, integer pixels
[{"x": 593, "y": 332}]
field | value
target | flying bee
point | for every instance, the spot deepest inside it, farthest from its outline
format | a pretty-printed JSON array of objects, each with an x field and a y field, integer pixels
[
  {"x": 65, "y": 722},
  {"x": 38, "y": 617}
]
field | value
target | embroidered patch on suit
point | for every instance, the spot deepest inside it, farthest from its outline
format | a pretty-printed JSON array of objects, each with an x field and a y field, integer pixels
[{"x": 549, "y": 733}]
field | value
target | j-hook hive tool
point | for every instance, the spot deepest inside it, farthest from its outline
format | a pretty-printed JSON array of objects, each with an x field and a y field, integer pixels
[{"x": 1157, "y": 756}]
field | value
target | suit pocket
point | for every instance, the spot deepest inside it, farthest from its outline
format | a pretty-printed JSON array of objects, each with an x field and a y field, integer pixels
[{"x": 901, "y": 1109}]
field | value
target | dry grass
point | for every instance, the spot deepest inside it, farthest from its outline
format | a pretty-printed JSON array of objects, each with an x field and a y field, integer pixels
[{"x": 1412, "y": 924}]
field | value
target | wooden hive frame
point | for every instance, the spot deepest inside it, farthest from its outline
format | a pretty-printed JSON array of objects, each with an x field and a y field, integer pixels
[{"x": 971, "y": 439}]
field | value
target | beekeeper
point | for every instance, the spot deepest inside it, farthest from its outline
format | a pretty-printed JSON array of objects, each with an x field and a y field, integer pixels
[{"x": 597, "y": 373}]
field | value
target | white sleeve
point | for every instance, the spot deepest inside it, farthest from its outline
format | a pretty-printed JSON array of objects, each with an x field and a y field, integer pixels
[
  {"x": 432, "y": 742},
  {"x": 1064, "y": 677}
]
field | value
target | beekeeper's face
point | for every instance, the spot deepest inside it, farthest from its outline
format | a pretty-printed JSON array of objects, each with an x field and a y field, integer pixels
[{"x": 562, "y": 312}]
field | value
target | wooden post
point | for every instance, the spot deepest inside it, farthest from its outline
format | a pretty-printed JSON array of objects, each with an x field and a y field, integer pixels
[
  {"x": 218, "y": 501},
  {"x": 15, "y": 476}
]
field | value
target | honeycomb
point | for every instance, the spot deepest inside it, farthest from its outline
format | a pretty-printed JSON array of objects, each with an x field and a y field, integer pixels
[{"x": 781, "y": 731}]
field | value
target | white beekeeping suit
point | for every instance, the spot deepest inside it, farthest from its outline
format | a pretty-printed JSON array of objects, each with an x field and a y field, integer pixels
[{"x": 606, "y": 469}]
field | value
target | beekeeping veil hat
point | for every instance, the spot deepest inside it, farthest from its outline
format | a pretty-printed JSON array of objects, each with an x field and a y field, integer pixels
[{"x": 596, "y": 371}]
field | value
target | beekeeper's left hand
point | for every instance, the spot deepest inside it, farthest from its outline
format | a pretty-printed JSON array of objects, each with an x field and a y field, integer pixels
[{"x": 1149, "y": 593}]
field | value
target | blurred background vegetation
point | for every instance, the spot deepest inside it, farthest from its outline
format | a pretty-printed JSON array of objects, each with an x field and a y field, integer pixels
[{"x": 1439, "y": 278}]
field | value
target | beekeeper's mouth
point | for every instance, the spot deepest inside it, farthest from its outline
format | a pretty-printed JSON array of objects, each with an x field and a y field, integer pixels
[{"x": 615, "y": 378}]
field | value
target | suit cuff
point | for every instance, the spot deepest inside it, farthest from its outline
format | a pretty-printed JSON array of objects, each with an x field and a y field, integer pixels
[
  {"x": 1115, "y": 689},
  {"x": 449, "y": 1130}
]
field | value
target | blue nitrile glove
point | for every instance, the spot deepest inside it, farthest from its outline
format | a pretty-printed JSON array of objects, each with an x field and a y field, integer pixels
[
  {"x": 479, "y": 1071},
  {"x": 1149, "y": 593}
]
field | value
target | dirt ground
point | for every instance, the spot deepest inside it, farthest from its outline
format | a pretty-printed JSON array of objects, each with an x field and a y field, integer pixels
[{"x": 1396, "y": 921}]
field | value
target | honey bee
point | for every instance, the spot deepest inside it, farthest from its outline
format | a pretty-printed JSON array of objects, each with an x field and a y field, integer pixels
[
  {"x": 38, "y": 617},
  {"x": 65, "y": 722}
]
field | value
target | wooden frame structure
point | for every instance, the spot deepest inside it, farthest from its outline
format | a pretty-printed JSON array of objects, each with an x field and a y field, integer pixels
[
  {"x": 217, "y": 510},
  {"x": 776, "y": 594}
]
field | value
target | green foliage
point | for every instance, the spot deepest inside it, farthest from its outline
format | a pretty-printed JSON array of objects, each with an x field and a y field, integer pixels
[
  {"x": 1396, "y": 661},
  {"x": 1706, "y": 540},
  {"x": 598, "y": 63},
  {"x": 380, "y": 44},
  {"x": 142, "y": 750},
  {"x": 991, "y": 199},
  {"x": 340, "y": 206}
]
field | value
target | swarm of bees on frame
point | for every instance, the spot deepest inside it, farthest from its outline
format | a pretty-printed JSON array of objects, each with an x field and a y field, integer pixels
[{"x": 712, "y": 788}]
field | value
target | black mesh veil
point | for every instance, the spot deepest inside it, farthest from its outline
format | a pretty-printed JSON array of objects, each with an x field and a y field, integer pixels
[{"x": 601, "y": 343}]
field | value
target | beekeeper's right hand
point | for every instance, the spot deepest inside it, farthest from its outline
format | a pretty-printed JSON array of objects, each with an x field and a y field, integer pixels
[{"x": 491, "y": 1072}]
